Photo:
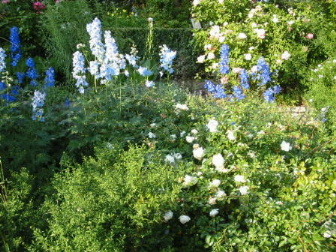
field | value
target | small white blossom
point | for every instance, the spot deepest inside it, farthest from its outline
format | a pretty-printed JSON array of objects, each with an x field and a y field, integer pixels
[
  {"x": 170, "y": 159},
  {"x": 212, "y": 200},
  {"x": 242, "y": 35},
  {"x": 243, "y": 190},
  {"x": 247, "y": 56},
  {"x": 230, "y": 135},
  {"x": 179, "y": 106},
  {"x": 218, "y": 161},
  {"x": 214, "y": 212},
  {"x": 194, "y": 131},
  {"x": 189, "y": 180},
  {"x": 201, "y": 59},
  {"x": 212, "y": 125},
  {"x": 239, "y": 179},
  {"x": 214, "y": 183},
  {"x": 184, "y": 219},
  {"x": 198, "y": 153},
  {"x": 285, "y": 146},
  {"x": 220, "y": 195},
  {"x": 190, "y": 139},
  {"x": 168, "y": 215},
  {"x": 286, "y": 55},
  {"x": 151, "y": 135}
]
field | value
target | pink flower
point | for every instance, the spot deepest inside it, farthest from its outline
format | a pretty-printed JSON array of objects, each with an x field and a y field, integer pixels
[
  {"x": 38, "y": 6},
  {"x": 310, "y": 36},
  {"x": 5, "y": 1}
]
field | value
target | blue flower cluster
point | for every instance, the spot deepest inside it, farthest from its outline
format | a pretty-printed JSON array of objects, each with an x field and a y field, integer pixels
[
  {"x": 2, "y": 60},
  {"x": 269, "y": 94},
  {"x": 32, "y": 72},
  {"x": 244, "y": 79},
  {"x": 224, "y": 59},
  {"x": 8, "y": 94},
  {"x": 37, "y": 104},
  {"x": 166, "y": 59},
  {"x": 261, "y": 72},
  {"x": 49, "y": 80},
  {"x": 15, "y": 47},
  {"x": 217, "y": 91}
]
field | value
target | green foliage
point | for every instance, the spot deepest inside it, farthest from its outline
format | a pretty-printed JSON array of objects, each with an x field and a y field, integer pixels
[
  {"x": 112, "y": 202},
  {"x": 62, "y": 31}
]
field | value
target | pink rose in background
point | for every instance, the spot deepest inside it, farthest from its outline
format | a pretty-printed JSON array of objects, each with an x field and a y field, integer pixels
[
  {"x": 310, "y": 36},
  {"x": 38, "y": 6},
  {"x": 5, "y": 1}
]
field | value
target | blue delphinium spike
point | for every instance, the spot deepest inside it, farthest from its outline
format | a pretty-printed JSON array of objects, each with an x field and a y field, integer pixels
[
  {"x": 15, "y": 46},
  {"x": 244, "y": 79},
  {"x": 49, "y": 80},
  {"x": 224, "y": 59}
]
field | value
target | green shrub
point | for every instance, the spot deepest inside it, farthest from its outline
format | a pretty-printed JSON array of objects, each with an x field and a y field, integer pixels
[{"x": 113, "y": 202}]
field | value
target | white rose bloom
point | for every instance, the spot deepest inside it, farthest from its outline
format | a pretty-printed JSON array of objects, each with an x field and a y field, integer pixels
[
  {"x": 190, "y": 139},
  {"x": 184, "y": 219},
  {"x": 194, "y": 131},
  {"x": 173, "y": 136},
  {"x": 198, "y": 153},
  {"x": 285, "y": 146},
  {"x": 239, "y": 179},
  {"x": 179, "y": 106},
  {"x": 215, "y": 31},
  {"x": 285, "y": 56},
  {"x": 220, "y": 195},
  {"x": 207, "y": 47},
  {"x": 230, "y": 135},
  {"x": 182, "y": 133},
  {"x": 242, "y": 35},
  {"x": 212, "y": 201},
  {"x": 189, "y": 180},
  {"x": 211, "y": 56},
  {"x": 168, "y": 215},
  {"x": 247, "y": 56},
  {"x": 151, "y": 135},
  {"x": 178, "y": 156},
  {"x": 170, "y": 159},
  {"x": 243, "y": 190},
  {"x": 214, "y": 183},
  {"x": 236, "y": 70},
  {"x": 212, "y": 125},
  {"x": 201, "y": 59},
  {"x": 218, "y": 161},
  {"x": 214, "y": 212}
]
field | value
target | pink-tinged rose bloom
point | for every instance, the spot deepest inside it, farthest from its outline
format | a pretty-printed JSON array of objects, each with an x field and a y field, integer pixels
[
  {"x": 38, "y": 6},
  {"x": 261, "y": 33},
  {"x": 5, "y": 1},
  {"x": 310, "y": 36}
]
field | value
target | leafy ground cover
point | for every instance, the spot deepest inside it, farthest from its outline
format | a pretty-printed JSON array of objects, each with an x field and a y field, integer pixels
[{"x": 126, "y": 159}]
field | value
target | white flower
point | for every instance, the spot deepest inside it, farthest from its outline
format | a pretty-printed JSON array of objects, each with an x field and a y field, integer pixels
[
  {"x": 190, "y": 139},
  {"x": 261, "y": 33},
  {"x": 243, "y": 190},
  {"x": 211, "y": 56},
  {"x": 173, "y": 136},
  {"x": 218, "y": 161},
  {"x": 194, "y": 131},
  {"x": 201, "y": 59},
  {"x": 275, "y": 19},
  {"x": 230, "y": 135},
  {"x": 286, "y": 55},
  {"x": 170, "y": 159},
  {"x": 236, "y": 70},
  {"x": 242, "y": 35},
  {"x": 212, "y": 125},
  {"x": 212, "y": 201},
  {"x": 327, "y": 234},
  {"x": 189, "y": 180},
  {"x": 184, "y": 219},
  {"x": 207, "y": 47},
  {"x": 152, "y": 125},
  {"x": 198, "y": 153},
  {"x": 151, "y": 135},
  {"x": 179, "y": 106},
  {"x": 214, "y": 212},
  {"x": 149, "y": 83},
  {"x": 168, "y": 215},
  {"x": 220, "y": 195},
  {"x": 215, "y": 31},
  {"x": 247, "y": 56},
  {"x": 182, "y": 133},
  {"x": 177, "y": 156},
  {"x": 285, "y": 146},
  {"x": 214, "y": 183},
  {"x": 239, "y": 178},
  {"x": 220, "y": 1}
]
